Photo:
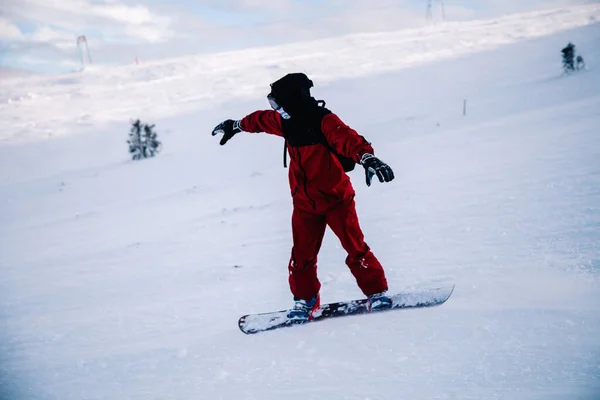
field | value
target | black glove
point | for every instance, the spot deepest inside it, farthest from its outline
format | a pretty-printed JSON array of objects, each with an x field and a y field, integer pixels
[
  {"x": 374, "y": 166},
  {"x": 228, "y": 129}
]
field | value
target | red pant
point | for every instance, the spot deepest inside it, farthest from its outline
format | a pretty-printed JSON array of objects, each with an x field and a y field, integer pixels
[{"x": 308, "y": 230}]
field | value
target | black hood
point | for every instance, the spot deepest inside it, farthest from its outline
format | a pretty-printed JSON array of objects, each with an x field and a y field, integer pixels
[{"x": 292, "y": 92}]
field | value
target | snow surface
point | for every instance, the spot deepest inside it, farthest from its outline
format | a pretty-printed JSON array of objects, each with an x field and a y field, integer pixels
[{"x": 125, "y": 280}]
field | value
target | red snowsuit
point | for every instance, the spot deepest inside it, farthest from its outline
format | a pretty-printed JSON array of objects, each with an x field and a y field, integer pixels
[{"x": 323, "y": 195}]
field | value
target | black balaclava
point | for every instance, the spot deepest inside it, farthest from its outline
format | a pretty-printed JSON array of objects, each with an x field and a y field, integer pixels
[{"x": 292, "y": 93}]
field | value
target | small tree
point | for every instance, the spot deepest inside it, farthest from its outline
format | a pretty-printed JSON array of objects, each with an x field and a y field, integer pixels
[
  {"x": 568, "y": 58},
  {"x": 136, "y": 146},
  {"x": 143, "y": 141},
  {"x": 152, "y": 145}
]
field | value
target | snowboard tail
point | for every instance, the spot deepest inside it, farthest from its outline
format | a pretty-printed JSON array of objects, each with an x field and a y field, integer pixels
[{"x": 255, "y": 323}]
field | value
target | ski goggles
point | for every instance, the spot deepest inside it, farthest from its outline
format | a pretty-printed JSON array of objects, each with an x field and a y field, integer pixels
[{"x": 275, "y": 106}]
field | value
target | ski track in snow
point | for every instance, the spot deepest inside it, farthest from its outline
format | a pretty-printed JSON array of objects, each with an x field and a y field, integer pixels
[{"x": 125, "y": 280}]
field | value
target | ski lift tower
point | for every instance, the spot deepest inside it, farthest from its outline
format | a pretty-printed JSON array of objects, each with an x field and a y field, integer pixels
[
  {"x": 84, "y": 51},
  {"x": 429, "y": 15}
]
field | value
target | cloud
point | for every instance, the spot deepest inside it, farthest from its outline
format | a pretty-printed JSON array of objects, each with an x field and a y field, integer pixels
[
  {"x": 48, "y": 28},
  {"x": 9, "y": 30},
  {"x": 120, "y": 30},
  {"x": 108, "y": 19}
]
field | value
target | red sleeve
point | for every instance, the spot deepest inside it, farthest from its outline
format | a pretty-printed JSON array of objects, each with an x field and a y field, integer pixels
[
  {"x": 268, "y": 121},
  {"x": 344, "y": 140}
]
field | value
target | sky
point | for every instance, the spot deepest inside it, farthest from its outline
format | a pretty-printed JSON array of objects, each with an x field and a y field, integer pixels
[{"x": 41, "y": 35}]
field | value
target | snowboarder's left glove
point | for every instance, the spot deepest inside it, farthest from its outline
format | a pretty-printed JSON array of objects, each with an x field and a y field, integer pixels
[
  {"x": 374, "y": 166},
  {"x": 228, "y": 129}
]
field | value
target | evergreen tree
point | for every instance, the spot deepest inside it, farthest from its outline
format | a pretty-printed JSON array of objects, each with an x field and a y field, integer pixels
[
  {"x": 136, "y": 146},
  {"x": 151, "y": 144},
  {"x": 568, "y": 55},
  {"x": 143, "y": 141}
]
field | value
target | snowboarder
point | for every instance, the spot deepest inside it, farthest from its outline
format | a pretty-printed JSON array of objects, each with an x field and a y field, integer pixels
[{"x": 321, "y": 148}]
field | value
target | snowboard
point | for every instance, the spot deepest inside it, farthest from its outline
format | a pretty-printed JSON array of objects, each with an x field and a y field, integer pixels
[{"x": 255, "y": 323}]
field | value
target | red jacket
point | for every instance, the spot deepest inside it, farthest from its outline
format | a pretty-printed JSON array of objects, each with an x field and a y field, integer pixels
[{"x": 317, "y": 179}]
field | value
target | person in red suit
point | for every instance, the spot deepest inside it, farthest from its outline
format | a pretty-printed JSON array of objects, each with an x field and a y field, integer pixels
[{"x": 321, "y": 148}]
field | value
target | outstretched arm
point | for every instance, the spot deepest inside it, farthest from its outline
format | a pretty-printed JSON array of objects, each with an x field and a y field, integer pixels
[
  {"x": 258, "y": 121},
  {"x": 348, "y": 143},
  {"x": 267, "y": 121},
  {"x": 344, "y": 140}
]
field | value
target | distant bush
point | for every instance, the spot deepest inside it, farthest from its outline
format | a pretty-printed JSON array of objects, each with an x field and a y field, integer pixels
[
  {"x": 580, "y": 64},
  {"x": 570, "y": 62},
  {"x": 143, "y": 141}
]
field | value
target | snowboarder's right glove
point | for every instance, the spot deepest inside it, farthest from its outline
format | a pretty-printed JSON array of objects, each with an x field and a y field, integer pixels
[
  {"x": 228, "y": 129},
  {"x": 374, "y": 166}
]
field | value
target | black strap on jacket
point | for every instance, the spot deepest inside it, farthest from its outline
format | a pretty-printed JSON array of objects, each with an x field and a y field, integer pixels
[{"x": 306, "y": 131}]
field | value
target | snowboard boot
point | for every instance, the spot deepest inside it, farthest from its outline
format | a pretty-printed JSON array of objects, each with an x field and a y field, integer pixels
[
  {"x": 379, "y": 302},
  {"x": 303, "y": 310}
]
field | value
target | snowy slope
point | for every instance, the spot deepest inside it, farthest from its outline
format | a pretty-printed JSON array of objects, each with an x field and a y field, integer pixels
[
  {"x": 70, "y": 103},
  {"x": 7, "y": 73},
  {"x": 125, "y": 280}
]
